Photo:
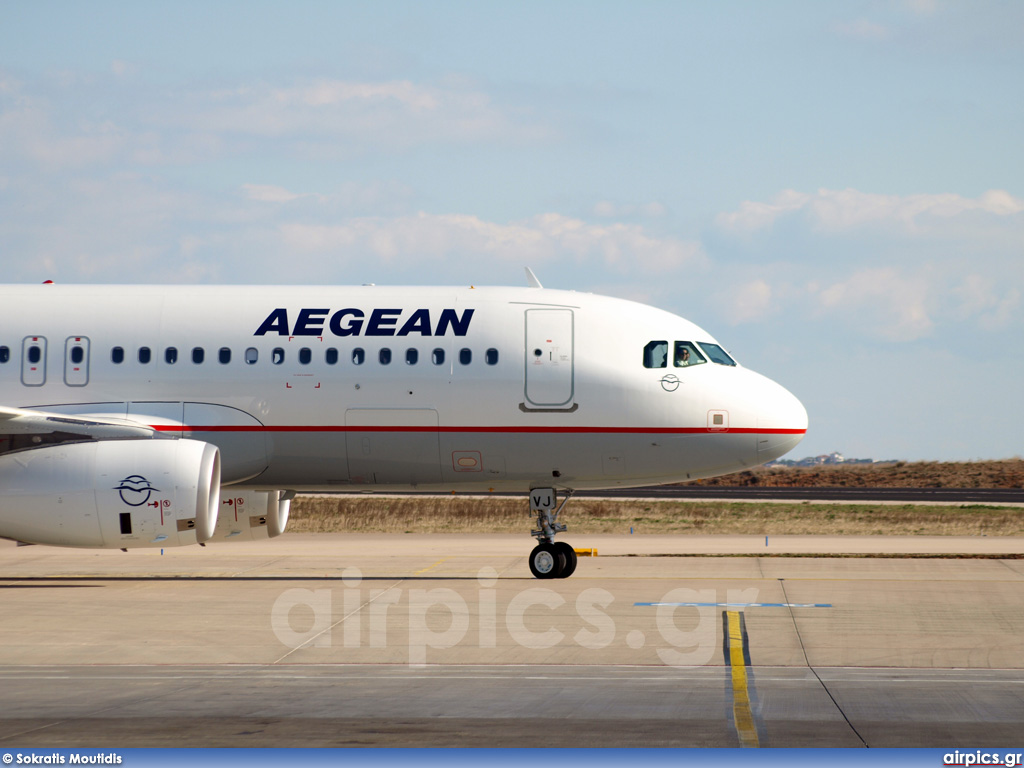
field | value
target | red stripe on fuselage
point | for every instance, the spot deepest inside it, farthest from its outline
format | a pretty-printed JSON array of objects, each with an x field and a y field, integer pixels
[{"x": 477, "y": 430}]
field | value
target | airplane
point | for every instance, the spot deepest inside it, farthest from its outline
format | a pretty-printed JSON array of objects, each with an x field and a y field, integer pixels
[{"x": 159, "y": 416}]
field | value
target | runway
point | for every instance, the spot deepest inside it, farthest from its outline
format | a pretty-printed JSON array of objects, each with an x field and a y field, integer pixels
[
  {"x": 443, "y": 640},
  {"x": 998, "y": 496},
  {"x": 1003, "y": 497}
]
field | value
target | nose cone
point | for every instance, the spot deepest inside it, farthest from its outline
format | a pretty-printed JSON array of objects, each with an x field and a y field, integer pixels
[{"x": 781, "y": 421}]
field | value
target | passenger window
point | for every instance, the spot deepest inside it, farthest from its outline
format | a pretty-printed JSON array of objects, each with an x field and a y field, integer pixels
[
  {"x": 358, "y": 356},
  {"x": 117, "y": 355},
  {"x": 717, "y": 354},
  {"x": 277, "y": 356},
  {"x": 305, "y": 355},
  {"x": 35, "y": 354},
  {"x": 224, "y": 355},
  {"x": 251, "y": 356},
  {"x": 687, "y": 354},
  {"x": 437, "y": 356},
  {"x": 77, "y": 355},
  {"x": 332, "y": 356},
  {"x": 5, "y": 354},
  {"x": 491, "y": 357},
  {"x": 171, "y": 355},
  {"x": 198, "y": 355},
  {"x": 656, "y": 354},
  {"x": 411, "y": 356},
  {"x": 465, "y": 356},
  {"x": 384, "y": 356},
  {"x": 145, "y": 355}
]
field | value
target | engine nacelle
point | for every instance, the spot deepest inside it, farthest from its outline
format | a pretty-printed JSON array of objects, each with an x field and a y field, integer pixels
[
  {"x": 111, "y": 494},
  {"x": 249, "y": 515}
]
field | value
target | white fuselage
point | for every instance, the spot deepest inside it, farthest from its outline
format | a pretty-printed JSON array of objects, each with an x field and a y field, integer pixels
[{"x": 426, "y": 389}]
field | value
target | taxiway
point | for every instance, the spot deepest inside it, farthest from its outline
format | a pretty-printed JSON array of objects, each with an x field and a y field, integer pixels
[{"x": 414, "y": 640}]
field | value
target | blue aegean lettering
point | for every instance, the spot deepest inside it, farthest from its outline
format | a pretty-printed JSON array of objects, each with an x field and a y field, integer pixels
[{"x": 354, "y": 322}]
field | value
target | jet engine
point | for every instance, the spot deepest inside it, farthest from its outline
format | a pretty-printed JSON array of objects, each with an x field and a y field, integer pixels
[
  {"x": 249, "y": 515},
  {"x": 111, "y": 494}
]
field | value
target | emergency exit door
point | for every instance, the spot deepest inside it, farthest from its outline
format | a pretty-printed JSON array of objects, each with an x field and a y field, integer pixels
[{"x": 549, "y": 358}]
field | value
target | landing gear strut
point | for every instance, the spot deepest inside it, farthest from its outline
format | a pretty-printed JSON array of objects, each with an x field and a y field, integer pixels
[{"x": 550, "y": 560}]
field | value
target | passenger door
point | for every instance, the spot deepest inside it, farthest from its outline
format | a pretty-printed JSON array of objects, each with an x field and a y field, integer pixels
[{"x": 550, "y": 382}]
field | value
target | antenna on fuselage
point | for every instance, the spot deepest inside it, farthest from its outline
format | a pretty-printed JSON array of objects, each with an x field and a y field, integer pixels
[{"x": 531, "y": 279}]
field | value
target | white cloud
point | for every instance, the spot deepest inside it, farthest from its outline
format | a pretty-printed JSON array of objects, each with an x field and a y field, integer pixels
[
  {"x": 895, "y": 305},
  {"x": 607, "y": 209},
  {"x": 748, "y": 302},
  {"x": 863, "y": 29},
  {"x": 135, "y": 228},
  {"x": 59, "y": 134},
  {"x": 424, "y": 236},
  {"x": 123, "y": 227},
  {"x": 324, "y": 93},
  {"x": 122, "y": 68},
  {"x": 342, "y": 202},
  {"x": 268, "y": 193},
  {"x": 983, "y": 298},
  {"x": 27, "y": 132},
  {"x": 839, "y": 210},
  {"x": 9, "y": 85},
  {"x": 922, "y": 7},
  {"x": 894, "y": 267},
  {"x": 753, "y": 216},
  {"x": 322, "y": 119},
  {"x": 849, "y": 208},
  {"x": 335, "y": 117}
]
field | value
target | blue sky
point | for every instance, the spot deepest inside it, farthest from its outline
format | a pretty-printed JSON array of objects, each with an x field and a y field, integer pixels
[{"x": 834, "y": 190}]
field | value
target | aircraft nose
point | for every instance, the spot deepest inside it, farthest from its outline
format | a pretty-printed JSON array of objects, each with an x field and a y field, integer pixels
[{"x": 781, "y": 422}]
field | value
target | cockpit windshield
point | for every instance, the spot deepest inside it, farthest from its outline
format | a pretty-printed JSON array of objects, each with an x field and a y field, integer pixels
[
  {"x": 656, "y": 354},
  {"x": 687, "y": 354},
  {"x": 684, "y": 354},
  {"x": 717, "y": 354}
]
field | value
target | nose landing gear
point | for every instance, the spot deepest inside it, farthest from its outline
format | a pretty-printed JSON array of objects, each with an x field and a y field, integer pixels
[{"x": 550, "y": 560}]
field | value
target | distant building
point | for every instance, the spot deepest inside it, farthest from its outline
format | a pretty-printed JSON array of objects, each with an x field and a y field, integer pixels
[{"x": 829, "y": 459}]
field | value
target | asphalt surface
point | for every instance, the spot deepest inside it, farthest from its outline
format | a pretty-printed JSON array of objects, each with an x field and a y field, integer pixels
[
  {"x": 849, "y": 495},
  {"x": 446, "y": 640},
  {"x": 951, "y": 496}
]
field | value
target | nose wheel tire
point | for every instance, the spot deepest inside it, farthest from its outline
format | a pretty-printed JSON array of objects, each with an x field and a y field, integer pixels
[
  {"x": 547, "y": 562},
  {"x": 570, "y": 559},
  {"x": 552, "y": 561}
]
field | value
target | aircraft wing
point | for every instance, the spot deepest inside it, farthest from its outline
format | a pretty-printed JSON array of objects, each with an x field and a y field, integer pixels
[{"x": 20, "y": 428}]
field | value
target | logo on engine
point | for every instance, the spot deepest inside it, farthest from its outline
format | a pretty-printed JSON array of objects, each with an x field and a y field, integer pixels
[{"x": 135, "y": 490}]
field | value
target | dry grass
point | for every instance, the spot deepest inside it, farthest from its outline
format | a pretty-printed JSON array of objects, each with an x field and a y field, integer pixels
[
  {"x": 428, "y": 514},
  {"x": 1007, "y": 473}
]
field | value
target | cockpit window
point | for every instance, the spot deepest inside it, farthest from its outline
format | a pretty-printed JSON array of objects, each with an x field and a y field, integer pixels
[
  {"x": 687, "y": 354},
  {"x": 717, "y": 354},
  {"x": 656, "y": 354}
]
